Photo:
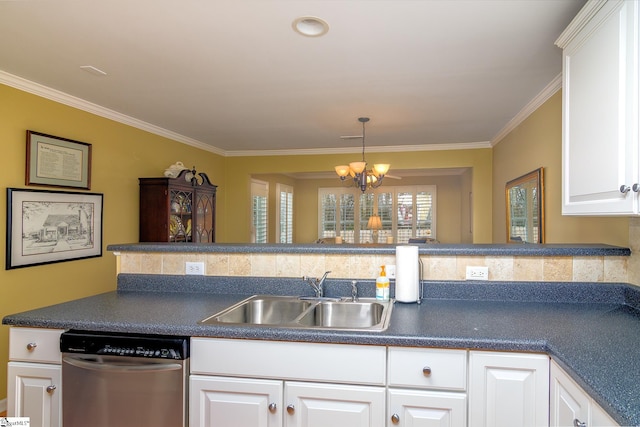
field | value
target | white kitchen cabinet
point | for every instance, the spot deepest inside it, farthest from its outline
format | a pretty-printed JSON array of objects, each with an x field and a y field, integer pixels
[
  {"x": 238, "y": 402},
  {"x": 35, "y": 376},
  {"x": 335, "y": 405},
  {"x": 427, "y": 408},
  {"x": 286, "y": 383},
  {"x": 600, "y": 147},
  {"x": 570, "y": 404},
  {"x": 508, "y": 389},
  {"x": 427, "y": 387}
]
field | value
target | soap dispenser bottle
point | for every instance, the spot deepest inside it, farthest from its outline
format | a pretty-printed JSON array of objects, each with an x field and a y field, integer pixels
[{"x": 382, "y": 285}]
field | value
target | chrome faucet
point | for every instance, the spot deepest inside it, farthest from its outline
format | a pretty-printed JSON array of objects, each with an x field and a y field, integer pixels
[
  {"x": 354, "y": 291},
  {"x": 317, "y": 284}
]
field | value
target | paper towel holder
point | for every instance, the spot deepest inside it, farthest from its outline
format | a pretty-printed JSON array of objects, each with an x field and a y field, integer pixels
[{"x": 420, "y": 283}]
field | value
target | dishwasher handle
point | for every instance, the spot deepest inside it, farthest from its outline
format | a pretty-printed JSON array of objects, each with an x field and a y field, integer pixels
[{"x": 100, "y": 365}]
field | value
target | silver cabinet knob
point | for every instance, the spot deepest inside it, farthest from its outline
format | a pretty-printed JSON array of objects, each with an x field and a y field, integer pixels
[
  {"x": 395, "y": 418},
  {"x": 578, "y": 423},
  {"x": 291, "y": 409},
  {"x": 635, "y": 187},
  {"x": 31, "y": 346},
  {"x": 426, "y": 371},
  {"x": 624, "y": 189},
  {"x": 51, "y": 389},
  {"x": 272, "y": 408}
]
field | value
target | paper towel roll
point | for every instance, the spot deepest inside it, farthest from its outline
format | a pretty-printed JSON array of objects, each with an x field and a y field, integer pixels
[{"x": 407, "y": 274}]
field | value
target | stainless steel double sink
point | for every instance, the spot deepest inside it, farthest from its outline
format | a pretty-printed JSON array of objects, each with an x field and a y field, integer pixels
[{"x": 366, "y": 314}]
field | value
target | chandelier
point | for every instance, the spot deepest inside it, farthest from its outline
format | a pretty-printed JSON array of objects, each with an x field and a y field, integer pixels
[{"x": 363, "y": 178}]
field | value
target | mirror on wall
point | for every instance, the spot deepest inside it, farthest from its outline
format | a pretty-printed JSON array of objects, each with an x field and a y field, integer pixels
[{"x": 525, "y": 208}]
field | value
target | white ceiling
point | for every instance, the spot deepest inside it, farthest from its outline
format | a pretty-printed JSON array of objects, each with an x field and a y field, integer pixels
[{"x": 232, "y": 76}]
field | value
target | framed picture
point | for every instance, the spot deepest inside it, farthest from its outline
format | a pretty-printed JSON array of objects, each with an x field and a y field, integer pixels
[
  {"x": 57, "y": 162},
  {"x": 44, "y": 227}
]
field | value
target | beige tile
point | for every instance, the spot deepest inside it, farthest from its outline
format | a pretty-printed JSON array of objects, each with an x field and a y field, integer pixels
[
  {"x": 173, "y": 263},
  {"x": 263, "y": 265},
  {"x": 339, "y": 265},
  {"x": 500, "y": 268},
  {"x": 130, "y": 263},
  {"x": 312, "y": 265},
  {"x": 615, "y": 269},
  {"x": 150, "y": 263},
  {"x": 217, "y": 264},
  {"x": 364, "y": 267},
  {"x": 288, "y": 265},
  {"x": 528, "y": 269},
  {"x": 557, "y": 269},
  {"x": 588, "y": 269},
  {"x": 442, "y": 268},
  {"x": 239, "y": 265}
]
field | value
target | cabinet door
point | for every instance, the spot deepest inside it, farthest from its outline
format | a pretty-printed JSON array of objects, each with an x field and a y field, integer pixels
[
  {"x": 571, "y": 405},
  {"x": 418, "y": 408},
  {"x": 508, "y": 389},
  {"x": 324, "y": 405},
  {"x": 221, "y": 402},
  {"x": 600, "y": 99},
  {"x": 237, "y": 402},
  {"x": 34, "y": 391}
]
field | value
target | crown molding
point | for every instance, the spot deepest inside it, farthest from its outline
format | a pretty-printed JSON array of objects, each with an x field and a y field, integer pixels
[
  {"x": 580, "y": 21},
  {"x": 370, "y": 149},
  {"x": 533, "y": 105},
  {"x": 81, "y": 104}
]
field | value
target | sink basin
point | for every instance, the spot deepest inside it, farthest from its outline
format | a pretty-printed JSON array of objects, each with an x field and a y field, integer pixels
[
  {"x": 352, "y": 315},
  {"x": 307, "y": 313},
  {"x": 262, "y": 310}
]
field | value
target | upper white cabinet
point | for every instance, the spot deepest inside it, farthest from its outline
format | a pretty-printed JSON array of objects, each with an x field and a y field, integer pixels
[{"x": 600, "y": 153}]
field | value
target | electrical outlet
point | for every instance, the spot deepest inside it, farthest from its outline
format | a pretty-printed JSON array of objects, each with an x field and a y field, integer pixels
[
  {"x": 477, "y": 273},
  {"x": 195, "y": 268},
  {"x": 391, "y": 271}
]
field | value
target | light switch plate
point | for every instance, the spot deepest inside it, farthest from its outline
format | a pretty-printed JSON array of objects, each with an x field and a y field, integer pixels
[
  {"x": 195, "y": 268},
  {"x": 390, "y": 270}
]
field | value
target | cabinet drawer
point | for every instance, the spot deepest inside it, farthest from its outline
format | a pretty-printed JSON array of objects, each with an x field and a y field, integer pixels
[
  {"x": 35, "y": 345},
  {"x": 428, "y": 368},
  {"x": 340, "y": 363}
]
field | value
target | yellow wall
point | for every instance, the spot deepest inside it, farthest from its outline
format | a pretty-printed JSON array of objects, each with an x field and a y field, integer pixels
[
  {"x": 121, "y": 154},
  {"x": 240, "y": 169},
  {"x": 537, "y": 142}
]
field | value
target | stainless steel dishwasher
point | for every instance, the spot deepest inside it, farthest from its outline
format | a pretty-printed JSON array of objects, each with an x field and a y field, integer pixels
[{"x": 124, "y": 380}]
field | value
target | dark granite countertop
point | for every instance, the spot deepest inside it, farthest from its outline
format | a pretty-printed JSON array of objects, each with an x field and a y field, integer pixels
[
  {"x": 591, "y": 330},
  {"x": 424, "y": 249}
]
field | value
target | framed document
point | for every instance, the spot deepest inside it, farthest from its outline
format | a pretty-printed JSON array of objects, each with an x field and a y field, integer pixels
[{"x": 57, "y": 162}]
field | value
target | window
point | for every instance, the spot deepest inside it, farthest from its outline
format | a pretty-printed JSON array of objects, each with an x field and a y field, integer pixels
[
  {"x": 405, "y": 212},
  {"x": 284, "y": 214},
  {"x": 259, "y": 209}
]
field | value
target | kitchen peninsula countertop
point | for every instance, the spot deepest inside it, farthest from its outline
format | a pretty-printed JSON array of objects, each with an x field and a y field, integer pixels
[
  {"x": 488, "y": 249},
  {"x": 591, "y": 330}
]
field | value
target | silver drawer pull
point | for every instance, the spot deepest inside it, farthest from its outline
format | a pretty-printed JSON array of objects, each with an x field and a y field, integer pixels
[
  {"x": 272, "y": 408},
  {"x": 51, "y": 389},
  {"x": 31, "y": 346},
  {"x": 291, "y": 409},
  {"x": 578, "y": 423},
  {"x": 426, "y": 371},
  {"x": 395, "y": 418}
]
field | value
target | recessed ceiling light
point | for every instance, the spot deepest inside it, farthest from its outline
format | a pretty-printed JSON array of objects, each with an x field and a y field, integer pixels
[
  {"x": 310, "y": 26},
  {"x": 93, "y": 70}
]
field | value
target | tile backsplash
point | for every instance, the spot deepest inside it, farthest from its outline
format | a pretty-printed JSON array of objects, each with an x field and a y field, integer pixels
[{"x": 501, "y": 268}]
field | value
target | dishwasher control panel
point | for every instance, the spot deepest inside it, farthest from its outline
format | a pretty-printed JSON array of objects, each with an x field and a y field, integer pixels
[{"x": 124, "y": 344}]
